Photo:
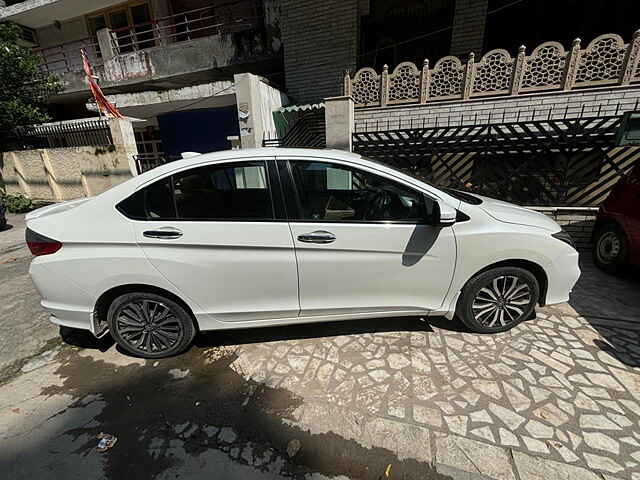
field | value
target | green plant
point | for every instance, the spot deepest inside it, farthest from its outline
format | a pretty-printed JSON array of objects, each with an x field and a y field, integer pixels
[
  {"x": 24, "y": 89},
  {"x": 17, "y": 203}
]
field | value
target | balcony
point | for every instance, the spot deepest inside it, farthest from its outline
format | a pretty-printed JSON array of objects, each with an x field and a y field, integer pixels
[{"x": 191, "y": 46}]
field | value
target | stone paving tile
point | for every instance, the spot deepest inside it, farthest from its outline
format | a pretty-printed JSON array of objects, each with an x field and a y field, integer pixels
[{"x": 562, "y": 386}]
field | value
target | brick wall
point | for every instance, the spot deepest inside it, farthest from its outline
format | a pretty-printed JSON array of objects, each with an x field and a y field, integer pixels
[
  {"x": 468, "y": 27},
  {"x": 578, "y": 222},
  {"x": 491, "y": 110},
  {"x": 320, "y": 41}
]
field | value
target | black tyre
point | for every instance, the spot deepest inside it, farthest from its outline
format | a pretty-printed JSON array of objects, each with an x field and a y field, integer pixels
[
  {"x": 610, "y": 249},
  {"x": 149, "y": 325},
  {"x": 498, "y": 299}
]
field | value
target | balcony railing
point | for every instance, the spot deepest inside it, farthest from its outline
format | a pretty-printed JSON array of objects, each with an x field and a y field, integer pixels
[
  {"x": 66, "y": 57},
  {"x": 607, "y": 60},
  {"x": 202, "y": 22}
]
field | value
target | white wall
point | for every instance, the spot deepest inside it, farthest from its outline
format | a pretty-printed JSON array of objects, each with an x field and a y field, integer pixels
[
  {"x": 256, "y": 102},
  {"x": 271, "y": 99}
]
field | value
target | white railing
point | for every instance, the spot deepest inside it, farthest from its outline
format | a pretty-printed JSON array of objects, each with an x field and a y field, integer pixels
[{"x": 607, "y": 60}]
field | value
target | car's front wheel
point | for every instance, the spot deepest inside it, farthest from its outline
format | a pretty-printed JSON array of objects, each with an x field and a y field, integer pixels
[
  {"x": 498, "y": 299},
  {"x": 610, "y": 249},
  {"x": 149, "y": 325}
]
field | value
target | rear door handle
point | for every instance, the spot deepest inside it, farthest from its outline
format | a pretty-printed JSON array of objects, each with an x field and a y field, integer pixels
[
  {"x": 319, "y": 236},
  {"x": 165, "y": 233}
]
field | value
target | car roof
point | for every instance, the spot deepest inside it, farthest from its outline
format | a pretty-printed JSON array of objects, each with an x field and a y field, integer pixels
[{"x": 248, "y": 154}]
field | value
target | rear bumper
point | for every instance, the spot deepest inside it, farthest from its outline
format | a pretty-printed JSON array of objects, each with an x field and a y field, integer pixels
[
  {"x": 67, "y": 304},
  {"x": 562, "y": 278},
  {"x": 68, "y": 321}
]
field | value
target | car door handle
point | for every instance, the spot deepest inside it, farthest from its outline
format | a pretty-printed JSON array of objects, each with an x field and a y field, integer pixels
[
  {"x": 165, "y": 233},
  {"x": 319, "y": 236}
]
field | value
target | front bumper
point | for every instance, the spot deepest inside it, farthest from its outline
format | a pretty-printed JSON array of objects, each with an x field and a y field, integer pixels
[{"x": 562, "y": 278}]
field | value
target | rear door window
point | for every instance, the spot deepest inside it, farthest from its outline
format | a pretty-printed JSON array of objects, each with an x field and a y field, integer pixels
[{"x": 238, "y": 191}]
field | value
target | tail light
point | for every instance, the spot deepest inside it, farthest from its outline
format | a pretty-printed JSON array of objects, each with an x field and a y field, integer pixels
[{"x": 41, "y": 245}]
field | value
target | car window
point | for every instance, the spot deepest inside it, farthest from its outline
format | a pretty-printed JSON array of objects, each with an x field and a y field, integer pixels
[
  {"x": 223, "y": 192},
  {"x": 150, "y": 203},
  {"x": 212, "y": 192},
  {"x": 334, "y": 192}
]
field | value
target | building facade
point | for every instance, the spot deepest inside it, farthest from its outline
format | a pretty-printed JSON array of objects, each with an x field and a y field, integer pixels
[
  {"x": 168, "y": 63},
  {"x": 200, "y": 74}
]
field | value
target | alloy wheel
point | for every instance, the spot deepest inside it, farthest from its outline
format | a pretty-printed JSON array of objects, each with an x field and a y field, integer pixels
[
  {"x": 148, "y": 326},
  {"x": 501, "y": 302}
]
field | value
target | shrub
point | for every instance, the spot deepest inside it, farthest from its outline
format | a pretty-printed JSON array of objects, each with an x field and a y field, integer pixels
[{"x": 17, "y": 203}]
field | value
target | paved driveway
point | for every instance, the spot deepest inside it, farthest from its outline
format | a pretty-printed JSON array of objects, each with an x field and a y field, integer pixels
[{"x": 555, "y": 398}]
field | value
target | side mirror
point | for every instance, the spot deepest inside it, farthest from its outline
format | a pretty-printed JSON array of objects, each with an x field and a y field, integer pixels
[{"x": 445, "y": 216}]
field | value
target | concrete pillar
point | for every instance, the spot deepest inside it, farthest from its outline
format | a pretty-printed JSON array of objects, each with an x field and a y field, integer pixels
[
  {"x": 339, "y": 122},
  {"x": 107, "y": 43},
  {"x": 124, "y": 142},
  {"x": 468, "y": 27},
  {"x": 249, "y": 114}
]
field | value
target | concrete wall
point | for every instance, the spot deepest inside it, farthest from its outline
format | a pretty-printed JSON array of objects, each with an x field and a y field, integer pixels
[
  {"x": 256, "y": 101},
  {"x": 605, "y": 100},
  {"x": 58, "y": 174},
  {"x": 70, "y": 31},
  {"x": 320, "y": 43},
  {"x": 468, "y": 27},
  {"x": 176, "y": 65}
]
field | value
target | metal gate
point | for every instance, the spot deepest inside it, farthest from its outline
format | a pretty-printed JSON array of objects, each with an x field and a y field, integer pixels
[{"x": 552, "y": 162}]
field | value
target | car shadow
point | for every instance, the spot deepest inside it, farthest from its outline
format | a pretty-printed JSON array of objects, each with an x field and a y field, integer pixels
[
  {"x": 243, "y": 336},
  {"x": 85, "y": 339},
  {"x": 8, "y": 226},
  {"x": 611, "y": 305},
  {"x": 311, "y": 330}
]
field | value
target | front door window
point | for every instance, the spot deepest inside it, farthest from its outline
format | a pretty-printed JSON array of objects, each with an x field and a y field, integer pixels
[{"x": 333, "y": 192}]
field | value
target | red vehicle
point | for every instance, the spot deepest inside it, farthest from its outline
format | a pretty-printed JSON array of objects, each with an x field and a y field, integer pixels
[{"x": 616, "y": 235}]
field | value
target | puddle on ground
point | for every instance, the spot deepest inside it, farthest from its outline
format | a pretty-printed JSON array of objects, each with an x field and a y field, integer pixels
[{"x": 170, "y": 411}]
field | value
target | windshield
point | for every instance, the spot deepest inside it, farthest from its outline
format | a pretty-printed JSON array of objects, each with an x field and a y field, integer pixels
[
  {"x": 463, "y": 196},
  {"x": 421, "y": 174}
]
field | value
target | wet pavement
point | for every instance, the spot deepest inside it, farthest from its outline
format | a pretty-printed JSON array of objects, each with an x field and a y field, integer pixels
[{"x": 557, "y": 397}]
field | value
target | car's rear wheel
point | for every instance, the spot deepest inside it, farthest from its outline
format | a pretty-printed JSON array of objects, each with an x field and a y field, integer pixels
[
  {"x": 149, "y": 325},
  {"x": 498, "y": 299},
  {"x": 610, "y": 250}
]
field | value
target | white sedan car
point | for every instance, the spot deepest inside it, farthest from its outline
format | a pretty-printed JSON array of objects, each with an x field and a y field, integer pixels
[{"x": 251, "y": 238}]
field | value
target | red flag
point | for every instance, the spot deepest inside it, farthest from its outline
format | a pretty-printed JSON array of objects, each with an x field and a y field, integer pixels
[{"x": 101, "y": 101}]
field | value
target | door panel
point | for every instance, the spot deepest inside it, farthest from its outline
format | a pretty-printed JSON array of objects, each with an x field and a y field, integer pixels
[
  {"x": 374, "y": 267},
  {"x": 362, "y": 242},
  {"x": 212, "y": 232},
  {"x": 235, "y": 271}
]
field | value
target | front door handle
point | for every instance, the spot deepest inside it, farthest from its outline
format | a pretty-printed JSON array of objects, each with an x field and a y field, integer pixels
[
  {"x": 319, "y": 236},
  {"x": 165, "y": 233}
]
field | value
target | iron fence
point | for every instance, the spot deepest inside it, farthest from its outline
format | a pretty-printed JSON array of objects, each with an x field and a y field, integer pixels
[
  {"x": 149, "y": 161},
  {"x": 66, "y": 57},
  {"x": 58, "y": 135},
  {"x": 308, "y": 130},
  {"x": 569, "y": 162}
]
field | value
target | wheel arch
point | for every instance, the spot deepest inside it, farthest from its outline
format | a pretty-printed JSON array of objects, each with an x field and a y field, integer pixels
[
  {"x": 105, "y": 300},
  {"x": 533, "y": 267},
  {"x": 603, "y": 222}
]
